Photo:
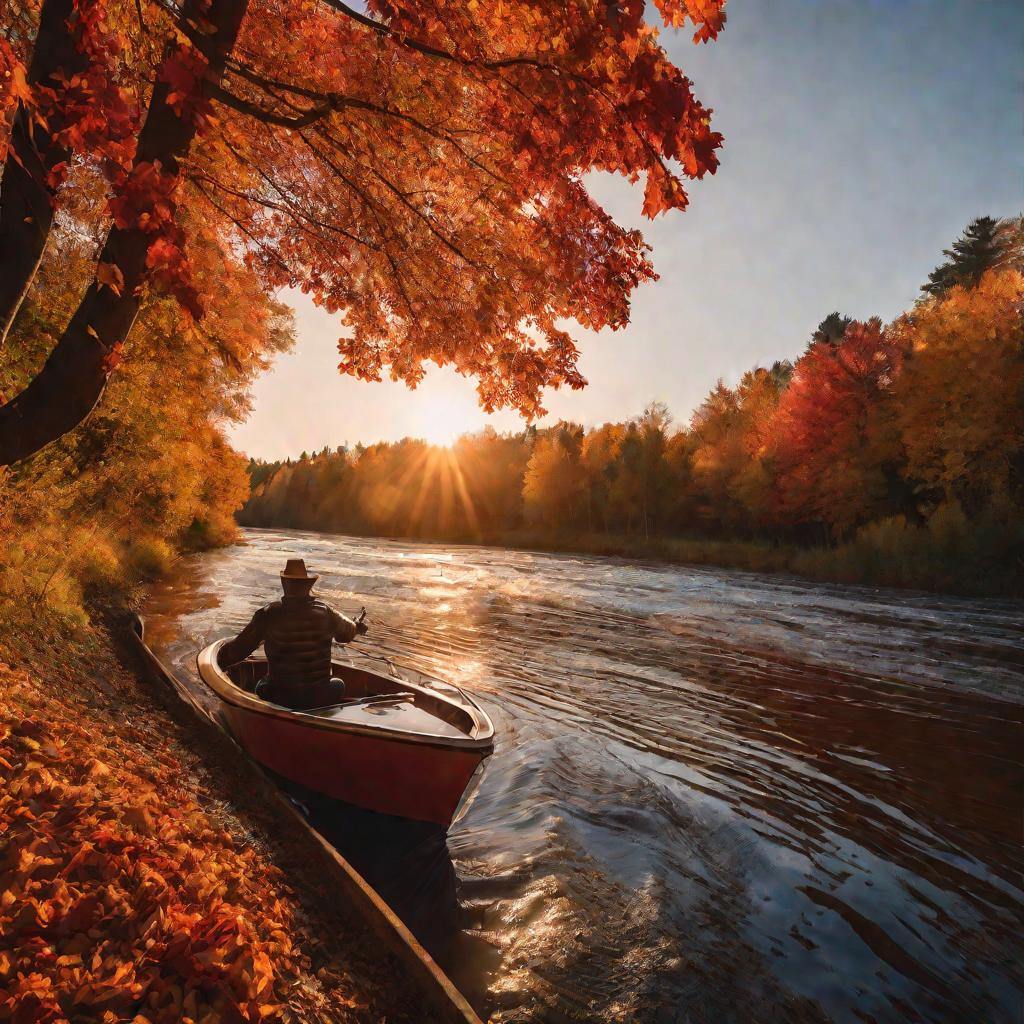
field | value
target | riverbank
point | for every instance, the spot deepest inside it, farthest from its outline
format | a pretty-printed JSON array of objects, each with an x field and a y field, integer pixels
[
  {"x": 140, "y": 877},
  {"x": 887, "y": 554}
]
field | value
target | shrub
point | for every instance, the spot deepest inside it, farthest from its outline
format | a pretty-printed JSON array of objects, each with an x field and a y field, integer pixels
[{"x": 148, "y": 558}]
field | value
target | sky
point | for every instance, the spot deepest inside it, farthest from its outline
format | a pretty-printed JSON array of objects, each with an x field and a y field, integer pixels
[{"x": 861, "y": 136}]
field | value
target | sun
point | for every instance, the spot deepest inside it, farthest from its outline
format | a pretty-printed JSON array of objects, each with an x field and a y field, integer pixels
[{"x": 441, "y": 421}]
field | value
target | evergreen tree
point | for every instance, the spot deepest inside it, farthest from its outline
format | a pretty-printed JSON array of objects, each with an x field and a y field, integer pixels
[
  {"x": 781, "y": 371},
  {"x": 981, "y": 247},
  {"x": 831, "y": 329}
]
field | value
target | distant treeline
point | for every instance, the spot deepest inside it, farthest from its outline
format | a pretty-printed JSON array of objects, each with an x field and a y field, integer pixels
[{"x": 885, "y": 454}]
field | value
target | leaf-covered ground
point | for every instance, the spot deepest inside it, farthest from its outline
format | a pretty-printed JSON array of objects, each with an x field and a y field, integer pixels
[{"x": 129, "y": 891}]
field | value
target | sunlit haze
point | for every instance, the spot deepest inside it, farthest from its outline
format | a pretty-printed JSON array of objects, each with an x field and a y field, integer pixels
[{"x": 860, "y": 138}]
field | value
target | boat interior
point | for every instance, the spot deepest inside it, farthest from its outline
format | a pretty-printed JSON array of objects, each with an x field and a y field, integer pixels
[{"x": 375, "y": 700}]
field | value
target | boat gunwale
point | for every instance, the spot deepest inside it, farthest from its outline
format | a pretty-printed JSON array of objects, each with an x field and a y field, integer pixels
[{"x": 481, "y": 740}]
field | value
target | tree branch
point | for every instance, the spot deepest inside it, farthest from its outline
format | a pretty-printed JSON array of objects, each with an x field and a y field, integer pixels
[
  {"x": 433, "y": 51},
  {"x": 336, "y": 102},
  {"x": 301, "y": 120}
]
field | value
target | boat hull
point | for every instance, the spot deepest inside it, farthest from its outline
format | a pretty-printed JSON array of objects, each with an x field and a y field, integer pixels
[
  {"x": 396, "y": 746},
  {"x": 409, "y": 780}
]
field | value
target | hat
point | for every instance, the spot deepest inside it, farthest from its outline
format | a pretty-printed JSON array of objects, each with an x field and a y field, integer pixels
[{"x": 295, "y": 569}]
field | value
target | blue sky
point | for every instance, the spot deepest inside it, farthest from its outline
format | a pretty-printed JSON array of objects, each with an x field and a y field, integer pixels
[{"x": 860, "y": 137}]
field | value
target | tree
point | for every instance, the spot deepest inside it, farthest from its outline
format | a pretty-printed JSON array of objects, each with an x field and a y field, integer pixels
[
  {"x": 629, "y": 488},
  {"x": 717, "y": 451},
  {"x": 150, "y": 470},
  {"x": 418, "y": 167},
  {"x": 730, "y": 437},
  {"x": 831, "y": 329},
  {"x": 782, "y": 371},
  {"x": 554, "y": 486},
  {"x": 961, "y": 395},
  {"x": 654, "y": 476},
  {"x": 63, "y": 102},
  {"x": 752, "y": 485},
  {"x": 984, "y": 244},
  {"x": 834, "y": 443},
  {"x": 599, "y": 458},
  {"x": 492, "y": 467}
]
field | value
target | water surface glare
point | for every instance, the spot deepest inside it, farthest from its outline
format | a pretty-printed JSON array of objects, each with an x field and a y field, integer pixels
[{"x": 715, "y": 796}]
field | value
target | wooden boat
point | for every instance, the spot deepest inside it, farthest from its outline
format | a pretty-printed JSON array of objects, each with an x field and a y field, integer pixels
[
  {"x": 414, "y": 749},
  {"x": 442, "y": 1001}
]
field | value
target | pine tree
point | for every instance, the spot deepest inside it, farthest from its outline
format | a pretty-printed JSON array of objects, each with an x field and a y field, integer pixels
[
  {"x": 832, "y": 329},
  {"x": 781, "y": 371},
  {"x": 982, "y": 246}
]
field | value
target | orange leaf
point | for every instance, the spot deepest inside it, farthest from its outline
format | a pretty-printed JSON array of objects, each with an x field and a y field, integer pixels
[{"x": 109, "y": 275}]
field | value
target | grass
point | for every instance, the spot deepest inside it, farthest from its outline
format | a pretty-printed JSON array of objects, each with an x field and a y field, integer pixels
[{"x": 948, "y": 554}]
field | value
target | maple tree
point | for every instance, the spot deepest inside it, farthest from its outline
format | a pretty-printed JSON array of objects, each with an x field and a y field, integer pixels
[
  {"x": 150, "y": 470},
  {"x": 832, "y": 440},
  {"x": 967, "y": 353},
  {"x": 417, "y": 167}
]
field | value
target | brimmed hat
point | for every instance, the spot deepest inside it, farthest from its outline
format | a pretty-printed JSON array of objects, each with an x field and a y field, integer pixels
[{"x": 295, "y": 569}]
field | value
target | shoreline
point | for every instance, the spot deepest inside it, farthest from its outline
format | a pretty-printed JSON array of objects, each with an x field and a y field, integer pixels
[{"x": 150, "y": 877}]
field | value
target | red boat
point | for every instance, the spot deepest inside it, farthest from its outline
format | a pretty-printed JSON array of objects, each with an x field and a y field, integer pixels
[{"x": 397, "y": 746}]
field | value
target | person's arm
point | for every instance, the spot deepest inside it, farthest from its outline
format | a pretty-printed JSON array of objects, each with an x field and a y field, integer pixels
[
  {"x": 345, "y": 629},
  {"x": 245, "y": 643}
]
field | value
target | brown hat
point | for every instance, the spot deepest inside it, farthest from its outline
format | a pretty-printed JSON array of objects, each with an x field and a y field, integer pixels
[{"x": 295, "y": 569}]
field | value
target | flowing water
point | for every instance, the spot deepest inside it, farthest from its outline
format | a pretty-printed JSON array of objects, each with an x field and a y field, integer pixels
[{"x": 715, "y": 796}]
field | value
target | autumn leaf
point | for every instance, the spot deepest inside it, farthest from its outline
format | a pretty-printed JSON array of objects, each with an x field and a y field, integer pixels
[
  {"x": 109, "y": 275},
  {"x": 16, "y": 84}
]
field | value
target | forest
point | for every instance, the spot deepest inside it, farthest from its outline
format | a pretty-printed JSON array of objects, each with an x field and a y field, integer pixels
[{"x": 886, "y": 454}]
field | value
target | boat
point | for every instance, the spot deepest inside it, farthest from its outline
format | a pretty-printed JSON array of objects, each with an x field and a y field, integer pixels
[
  {"x": 399, "y": 744},
  {"x": 441, "y": 1000}
]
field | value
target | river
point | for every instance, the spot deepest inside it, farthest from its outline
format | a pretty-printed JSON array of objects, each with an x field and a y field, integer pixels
[{"x": 715, "y": 796}]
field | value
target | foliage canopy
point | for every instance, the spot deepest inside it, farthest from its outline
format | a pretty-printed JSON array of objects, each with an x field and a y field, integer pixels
[{"x": 417, "y": 166}]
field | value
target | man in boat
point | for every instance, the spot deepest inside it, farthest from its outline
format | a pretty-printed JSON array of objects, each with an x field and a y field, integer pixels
[{"x": 296, "y": 633}]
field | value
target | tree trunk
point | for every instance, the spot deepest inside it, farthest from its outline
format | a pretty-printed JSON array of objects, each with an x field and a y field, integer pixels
[
  {"x": 72, "y": 381},
  {"x": 26, "y": 198}
]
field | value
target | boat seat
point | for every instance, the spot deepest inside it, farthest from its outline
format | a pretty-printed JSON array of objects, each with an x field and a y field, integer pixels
[{"x": 306, "y": 696}]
